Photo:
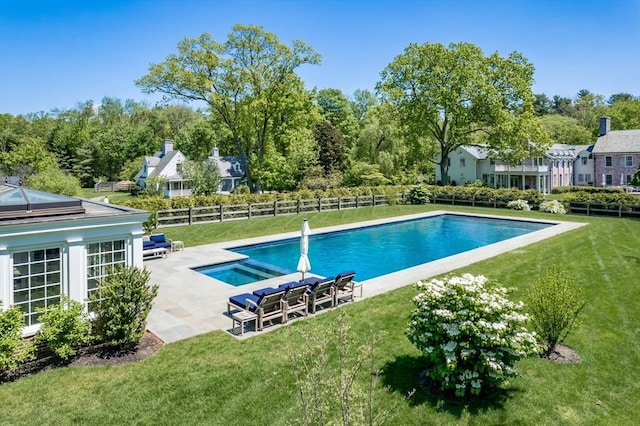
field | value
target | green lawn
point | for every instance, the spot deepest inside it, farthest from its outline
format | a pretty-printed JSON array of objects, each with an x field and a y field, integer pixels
[
  {"x": 216, "y": 379},
  {"x": 114, "y": 197}
]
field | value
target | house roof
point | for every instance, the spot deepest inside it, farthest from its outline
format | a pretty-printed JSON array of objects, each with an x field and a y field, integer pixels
[
  {"x": 477, "y": 152},
  {"x": 561, "y": 150},
  {"x": 227, "y": 166},
  {"x": 618, "y": 142},
  {"x": 152, "y": 161},
  {"x": 20, "y": 205},
  {"x": 163, "y": 163}
]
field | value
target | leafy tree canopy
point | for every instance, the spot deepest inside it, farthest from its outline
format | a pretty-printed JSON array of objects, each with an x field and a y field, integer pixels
[
  {"x": 455, "y": 95},
  {"x": 243, "y": 80}
]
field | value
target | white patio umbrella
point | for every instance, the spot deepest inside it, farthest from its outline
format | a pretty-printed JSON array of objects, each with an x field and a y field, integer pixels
[{"x": 303, "y": 264}]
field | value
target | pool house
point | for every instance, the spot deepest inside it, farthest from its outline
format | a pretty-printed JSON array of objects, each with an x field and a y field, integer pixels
[{"x": 52, "y": 245}]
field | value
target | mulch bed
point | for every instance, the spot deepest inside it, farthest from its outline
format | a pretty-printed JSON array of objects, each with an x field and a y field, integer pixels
[{"x": 91, "y": 355}]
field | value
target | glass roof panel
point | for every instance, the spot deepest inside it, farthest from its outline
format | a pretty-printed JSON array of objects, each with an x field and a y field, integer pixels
[{"x": 11, "y": 196}]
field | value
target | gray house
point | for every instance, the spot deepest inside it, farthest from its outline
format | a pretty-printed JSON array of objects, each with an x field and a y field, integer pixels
[
  {"x": 167, "y": 164},
  {"x": 616, "y": 155}
]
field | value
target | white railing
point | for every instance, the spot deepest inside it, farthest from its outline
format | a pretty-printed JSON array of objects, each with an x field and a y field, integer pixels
[{"x": 503, "y": 168}]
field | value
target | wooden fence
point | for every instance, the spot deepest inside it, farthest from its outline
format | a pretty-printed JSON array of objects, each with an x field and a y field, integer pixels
[
  {"x": 227, "y": 212},
  {"x": 606, "y": 209}
]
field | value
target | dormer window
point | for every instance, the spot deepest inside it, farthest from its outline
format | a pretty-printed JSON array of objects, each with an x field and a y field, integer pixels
[{"x": 236, "y": 167}]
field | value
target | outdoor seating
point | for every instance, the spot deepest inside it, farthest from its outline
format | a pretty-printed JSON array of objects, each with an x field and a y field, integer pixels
[
  {"x": 269, "y": 305},
  {"x": 295, "y": 299},
  {"x": 160, "y": 241},
  {"x": 320, "y": 292},
  {"x": 344, "y": 287}
]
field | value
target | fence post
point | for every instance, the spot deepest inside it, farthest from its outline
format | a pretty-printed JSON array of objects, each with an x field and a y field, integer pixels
[
  {"x": 190, "y": 215},
  {"x": 357, "y": 199},
  {"x": 453, "y": 200},
  {"x": 588, "y": 209},
  {"x": 249, "y": 210},
  {"x": 275, "y": 208},
  {"x": 339, "y": 202},
  {"x": 319, "y": 204},
  {"x": 220, "y": 206},
  {"x": 473, "y": 200},
  {"x": 298, "y": 206},
  {"x": 619, "y": 209}
]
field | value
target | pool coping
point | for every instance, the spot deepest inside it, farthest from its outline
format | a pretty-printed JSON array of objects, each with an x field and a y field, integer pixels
[{"x": 190, "y": 303}]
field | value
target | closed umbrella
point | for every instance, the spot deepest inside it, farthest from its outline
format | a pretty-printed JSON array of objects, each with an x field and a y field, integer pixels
[{"x": 303, "y": 264}]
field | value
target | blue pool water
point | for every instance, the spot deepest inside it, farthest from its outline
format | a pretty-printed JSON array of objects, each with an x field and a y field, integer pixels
[{"x": 382, "y": 249}]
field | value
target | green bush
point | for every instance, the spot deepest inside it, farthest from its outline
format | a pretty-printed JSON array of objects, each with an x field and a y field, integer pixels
[
  {"x": 65, "y": 327},
  {"x": 469, "y": 333},
  {"x": 13, "y": 349},
  {"x": 555, "y": 303},
  {"x": 418, "y": 195},
  {"x": 121, "y": 306}
]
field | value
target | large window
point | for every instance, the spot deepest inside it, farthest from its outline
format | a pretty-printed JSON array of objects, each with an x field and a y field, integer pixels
[
  {"x": 101, "y": 259},
  {"x": 585, "y": 160},
  {"x": 37, "y": 280},
  {"x": 608, "y": 180},
  {"x": 628, "y": 161},
  {"x": 608, "y": 162}
]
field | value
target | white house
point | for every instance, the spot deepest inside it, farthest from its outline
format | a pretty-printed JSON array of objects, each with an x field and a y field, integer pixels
[
  {"x": 52, "y": 245},
  {"x": 167, "y": 164},
  {"x": 554, "y": 168}
]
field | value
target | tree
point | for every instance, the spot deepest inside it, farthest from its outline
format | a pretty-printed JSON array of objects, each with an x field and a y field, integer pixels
[
  {"x": 56, "y": 181},
  {"x": 243, "y": 81},
  {"x": 331, "y": 148},
  {"x": 616, "y": 97},
  {"x": 625, "y": 114},
  {"x": 204, "y": 176},
  {"x": 455, "y": 95},
  {"x": 542, "y": 105},
  {"x": 337, "y": 110},
  {"x": 567, "y": 130}
]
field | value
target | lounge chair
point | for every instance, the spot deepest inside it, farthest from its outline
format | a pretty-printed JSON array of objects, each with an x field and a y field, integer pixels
[
  {"x": 295, "y": 299},
  {"x": 269, "y": 305},
  {"x": 321, "y": 292},
  {"x": 344, "y": 287}
]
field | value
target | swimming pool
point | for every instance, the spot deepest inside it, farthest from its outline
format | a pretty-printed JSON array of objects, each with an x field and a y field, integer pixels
[{"x": 378, "y": 250}]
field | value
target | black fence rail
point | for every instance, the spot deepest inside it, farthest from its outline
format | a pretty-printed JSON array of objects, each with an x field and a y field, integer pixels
[
  {"x": 227, "y": 212},
  {"x": 606, "y": 209}
]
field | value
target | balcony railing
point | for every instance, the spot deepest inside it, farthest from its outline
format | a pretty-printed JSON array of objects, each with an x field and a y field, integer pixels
[{"x": 503, "y": 168}]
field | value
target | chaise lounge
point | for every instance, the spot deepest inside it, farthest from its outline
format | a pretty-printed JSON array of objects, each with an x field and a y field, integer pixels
[
  {"x": 344, "y": 288},
  {"x": 320, "y": 292},
  {"x": 267, "y": 306}
]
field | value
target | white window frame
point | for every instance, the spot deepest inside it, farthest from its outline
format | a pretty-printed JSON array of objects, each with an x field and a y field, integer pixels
[
  {"x": 628, "y": 160},
  {"x": 101, "y": 262},
  {"x": 463, "y": 162},
  {"x": 608, "y": 161},
  {"x": 40, "y": 278}
]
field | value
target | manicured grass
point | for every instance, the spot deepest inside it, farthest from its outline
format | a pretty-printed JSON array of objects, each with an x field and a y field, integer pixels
[
  {"x": 216, "y": 379},
  {"x": 114, "y": 197}
]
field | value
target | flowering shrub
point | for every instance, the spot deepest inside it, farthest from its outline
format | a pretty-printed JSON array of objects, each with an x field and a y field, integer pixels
[
  {"x": 552, "y": 206},
  {"x": 470, "y": 333},
  {"x": 519, "y": 205}
]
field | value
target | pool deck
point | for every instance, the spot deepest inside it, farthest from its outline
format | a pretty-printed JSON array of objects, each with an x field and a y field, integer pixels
[{"x": 190, "y": 303}]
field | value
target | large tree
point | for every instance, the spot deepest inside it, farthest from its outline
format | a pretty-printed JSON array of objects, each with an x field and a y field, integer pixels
[
  {"x": 455, "y": 95},
  {"x": 243, "y": 81}
]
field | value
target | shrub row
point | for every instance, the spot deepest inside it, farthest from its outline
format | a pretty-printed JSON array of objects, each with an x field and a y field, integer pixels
[{"x": 584, "y": 189}]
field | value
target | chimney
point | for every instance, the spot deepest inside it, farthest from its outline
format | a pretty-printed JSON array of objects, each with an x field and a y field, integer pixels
[
  {"x": 605, "y": 125},
  {"x": 215, "y": 152},
  {"x": 167, "y": 146}
]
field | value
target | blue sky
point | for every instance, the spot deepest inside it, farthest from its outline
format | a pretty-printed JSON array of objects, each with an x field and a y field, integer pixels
[{"x": 54, "y": 54}]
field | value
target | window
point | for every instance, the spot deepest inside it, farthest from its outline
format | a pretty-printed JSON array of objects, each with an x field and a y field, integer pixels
[
  {"x": 580, "y": 177},
  {"x": 587, "y": 177},
  {"x": 629, "y": 177},
  {"x": 585, "y": 160},
  {"x": 608, "y": 180},
  {"x": 608, "y": 161},
  {"x": 462, "y": 162},
  {"x": 101, "y": 259},
  {"x": 448, "y": 161},
  {"x": 628, "y": 161},
  {"x": 492, "y": 162},
  {"x": 37, "y": 281}
]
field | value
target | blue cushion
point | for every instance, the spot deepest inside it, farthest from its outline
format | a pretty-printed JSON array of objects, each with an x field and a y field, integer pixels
[
  {"x": 310, "y": 281},
  {"x": 241, "y": 300},
  {"x": 344, "y": 274},
  {"x": 163, "y": 245},
  {"x": 317, "y": 283},
  {"x": 267, "y": 291},
  {"x": 148, "y": 244},
  {"x": 293, "y": 284},
  {"x": 158, "y": 238}
]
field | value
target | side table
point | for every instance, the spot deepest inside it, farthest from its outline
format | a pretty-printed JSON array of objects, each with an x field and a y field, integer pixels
[
  {"x": 177, "y": 245},
  {"x": 242, "y": 318}
]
